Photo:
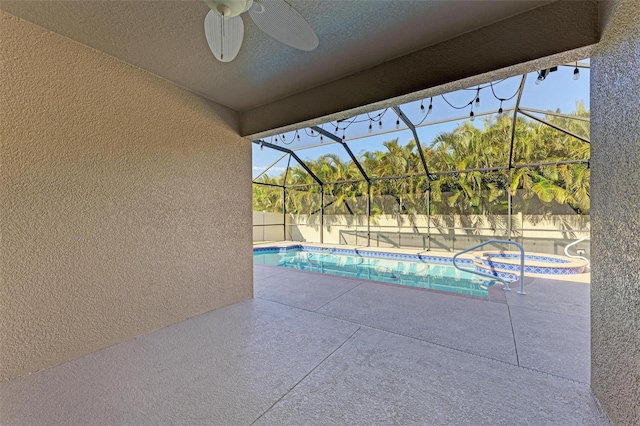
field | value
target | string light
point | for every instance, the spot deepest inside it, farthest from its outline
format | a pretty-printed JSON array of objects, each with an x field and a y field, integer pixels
[
  {"x": 474, "y": 103},
  {"x": 544, "y": 73}
]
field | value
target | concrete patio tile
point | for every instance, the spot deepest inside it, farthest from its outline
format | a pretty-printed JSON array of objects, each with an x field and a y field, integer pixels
[
  {"x": 378, "y": 378},
  {"x": 474, "y": 326},
  {"x": 261, "y": 272},
  {"x": 552, "y": 342},
  {"x": 225, "y": 367},
  {"x": 302, "y": 289},
  {"x": 551, "y": 295}
]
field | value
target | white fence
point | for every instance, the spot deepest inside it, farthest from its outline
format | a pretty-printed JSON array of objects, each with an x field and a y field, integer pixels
[{"x": 546, "y": 234}]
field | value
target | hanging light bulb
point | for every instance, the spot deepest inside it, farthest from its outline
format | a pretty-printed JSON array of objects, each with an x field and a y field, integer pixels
[
  {"x": 370, "y": 127},
  {"x": 312, "y": 133},
  {"x": 344, "y": 136},
  {"x": 398, "y": 123},
  {"x": 478, "y": 98},
  {"x": 576, "y": 73},
  {"x": 336, "y": 129},
  {"x": 430, "y": 104},
  {"x": 422, "y": 106},
  {"x": 321, "y": 139},
  {"x": 472, "y": 116},
  {"x": 297, "y": 135},
  {"x": 284, "y": 138},
  {"x": 500, "y": 109},
  {"x": 276, "y": 139},
  {"x": 380, "y": 124},
  {"x": 261, "y": 145}
]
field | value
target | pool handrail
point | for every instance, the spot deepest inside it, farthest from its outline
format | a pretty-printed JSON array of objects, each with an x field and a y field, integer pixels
[
  {"x": 494, "y": 277},
  {"x": 566, "y": 250}
]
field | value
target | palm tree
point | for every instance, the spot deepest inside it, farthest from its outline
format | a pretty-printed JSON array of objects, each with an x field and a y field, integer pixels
[
  {"x": 268, "y": 198},
  {"x": 537, "y": 188}
]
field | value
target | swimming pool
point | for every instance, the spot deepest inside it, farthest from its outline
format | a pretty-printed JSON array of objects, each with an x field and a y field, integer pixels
[{"x": 429, "y": 272}]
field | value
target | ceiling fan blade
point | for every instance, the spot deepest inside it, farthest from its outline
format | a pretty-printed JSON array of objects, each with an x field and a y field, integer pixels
[
  {"x": 224, "y": 35},
  {"x": 281, "y": 21}
]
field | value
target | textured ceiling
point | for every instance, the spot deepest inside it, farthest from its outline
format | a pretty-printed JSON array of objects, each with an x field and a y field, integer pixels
[
  {"x": 371, "y": 52},
  {"x": 167, "y": 38}
]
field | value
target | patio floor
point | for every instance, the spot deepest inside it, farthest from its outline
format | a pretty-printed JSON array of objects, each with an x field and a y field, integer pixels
[{"x": 323, "y": 350}]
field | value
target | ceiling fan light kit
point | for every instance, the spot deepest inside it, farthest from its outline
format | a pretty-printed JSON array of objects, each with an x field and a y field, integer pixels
[
  {"x": 224, "y": 28},
  {"x": 229, "y": 8}
]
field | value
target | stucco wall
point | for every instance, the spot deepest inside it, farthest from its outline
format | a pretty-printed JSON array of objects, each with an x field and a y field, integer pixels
[
  {"x": 615, "y": 215},
  {"x": 125, "y": 202}
]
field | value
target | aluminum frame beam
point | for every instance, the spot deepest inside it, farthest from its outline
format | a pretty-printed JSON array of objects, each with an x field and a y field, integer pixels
[
  {"x": 295, "y": 157},
  {"x": 268, "y": 184},
  {"x": 267, "y": 169},
  {"x": 558, "y": 128},
  {"x": 555, "y": 114},
  {"x": 515, "y": 120},
  {"x": 336, "y": 138},
  {"x": 411, "y": 127}
]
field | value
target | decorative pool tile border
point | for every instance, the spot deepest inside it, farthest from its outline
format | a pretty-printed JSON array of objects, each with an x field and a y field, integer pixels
[
  {"x": 363, "y": 253},
  {"x": 274, "y": 249},
  {"x": 499, "y": 274},
  {"x": 533, "y": 269},
  {"x": 546, "y": 259}
]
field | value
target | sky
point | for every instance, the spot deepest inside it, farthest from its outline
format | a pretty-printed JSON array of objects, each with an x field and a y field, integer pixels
[{"x": 558, "y": 91}]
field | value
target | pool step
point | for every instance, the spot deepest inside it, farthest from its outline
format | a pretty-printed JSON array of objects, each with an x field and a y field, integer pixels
[
  {"x": 506, "y": 264},
  {"x": 496, "y": 272}
]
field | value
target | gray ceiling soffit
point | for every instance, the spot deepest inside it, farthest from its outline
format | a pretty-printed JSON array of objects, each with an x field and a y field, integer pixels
[
  {"x": 366, "y": 54},
  {"x": 166, "y": 38},
  {"x": 547, "y": 31}
]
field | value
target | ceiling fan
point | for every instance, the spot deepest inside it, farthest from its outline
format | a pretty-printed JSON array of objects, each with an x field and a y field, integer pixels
[{"x": 224, "y": 28}]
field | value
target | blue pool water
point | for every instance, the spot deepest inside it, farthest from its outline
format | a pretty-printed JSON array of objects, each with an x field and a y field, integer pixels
[{"x": 409, "y": 272}]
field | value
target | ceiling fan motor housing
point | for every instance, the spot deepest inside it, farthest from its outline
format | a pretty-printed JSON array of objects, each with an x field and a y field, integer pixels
[{"x": 229, "y": 8}]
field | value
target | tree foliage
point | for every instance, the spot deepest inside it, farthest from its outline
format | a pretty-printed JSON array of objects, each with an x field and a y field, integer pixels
[{"x": 535, "y": 189}]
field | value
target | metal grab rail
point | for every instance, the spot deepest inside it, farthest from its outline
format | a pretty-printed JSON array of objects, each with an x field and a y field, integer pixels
[
  {"x": 473, "y": 271},
  {"x": 566, "y": 250}
]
